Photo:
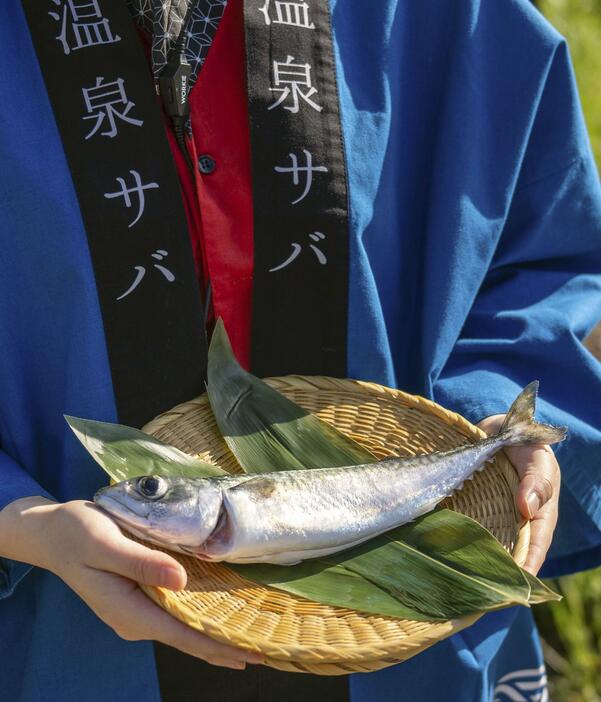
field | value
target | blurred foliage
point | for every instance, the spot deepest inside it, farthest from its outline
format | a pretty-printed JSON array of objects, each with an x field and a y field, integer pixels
[
  {"x": 571, "y": 636},
  {"x": 571, "y": 629},
  {"x": 579, "y": 21}
]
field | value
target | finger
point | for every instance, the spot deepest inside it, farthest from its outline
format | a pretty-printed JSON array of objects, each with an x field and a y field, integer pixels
[
  {"x": 160, "y": 626},
  {"x": 538, "y": 493},
  {"x": 536, "y": 466},
  {"x": 539, "y": 473},
  {"x": 491, "y": 425},
  {"x": 144, "y": 565},
  {"x": 541, "y": 535}
]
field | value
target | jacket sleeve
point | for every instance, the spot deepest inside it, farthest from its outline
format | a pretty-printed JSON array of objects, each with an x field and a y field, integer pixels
[
  {"x": 15, "y": 483},
  {"x": 540, "y": 298}
]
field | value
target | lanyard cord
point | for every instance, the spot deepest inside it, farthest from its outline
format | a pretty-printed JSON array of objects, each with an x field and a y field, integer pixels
[{"x": 173, "y": 85}]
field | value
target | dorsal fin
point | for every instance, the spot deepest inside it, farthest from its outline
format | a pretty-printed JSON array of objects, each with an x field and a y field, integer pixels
[{"x": 262, "y": 486}]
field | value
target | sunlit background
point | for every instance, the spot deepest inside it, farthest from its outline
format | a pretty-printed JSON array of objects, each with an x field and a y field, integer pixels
[{"x": 571, "y": 629}]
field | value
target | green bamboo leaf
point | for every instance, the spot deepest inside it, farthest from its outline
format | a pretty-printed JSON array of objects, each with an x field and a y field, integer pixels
[
  {"x": 442, "y": 566},
  {"x": 331, "y": 584},
  {"x": 124, "y": 452},
  {"x": 540, "y": 591},
  {"x": 265, "y": 430}
]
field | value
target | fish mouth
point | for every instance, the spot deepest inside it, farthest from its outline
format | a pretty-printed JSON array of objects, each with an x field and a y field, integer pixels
[
  {"x": 119, "y": 511},
  {"x": 134, "y": 523}
]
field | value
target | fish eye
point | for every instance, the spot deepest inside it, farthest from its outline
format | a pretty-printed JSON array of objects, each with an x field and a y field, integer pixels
[{"x": 151, "y": 486}]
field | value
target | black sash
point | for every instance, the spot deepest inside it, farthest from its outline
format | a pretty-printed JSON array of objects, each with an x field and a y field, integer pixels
[
  {"x": 132, "y": 209},
  {"x": 105, "y": 106},
  {"x": 187, "y": 679},
  {"x": 300, "y": 288}
]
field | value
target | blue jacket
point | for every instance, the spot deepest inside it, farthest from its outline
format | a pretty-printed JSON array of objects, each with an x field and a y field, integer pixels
[{"x": 475, "y": 267}]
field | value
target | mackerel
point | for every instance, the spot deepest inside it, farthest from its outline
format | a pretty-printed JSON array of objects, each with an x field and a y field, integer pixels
[{"x": 290, "y": 516}]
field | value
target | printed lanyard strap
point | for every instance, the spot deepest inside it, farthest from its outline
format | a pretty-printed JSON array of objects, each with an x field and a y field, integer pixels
[
  {"x": 300, "y": 289},
  {"x": 103, "y": 98}
]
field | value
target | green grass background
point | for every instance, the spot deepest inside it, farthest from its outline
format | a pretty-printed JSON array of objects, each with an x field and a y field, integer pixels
[{"x": 571, "y": 629}]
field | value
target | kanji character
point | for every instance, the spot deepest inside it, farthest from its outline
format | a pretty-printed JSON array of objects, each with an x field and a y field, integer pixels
[
  {"x": 84, "y": 19},
  {"x": 100, "y": 103},
  {"x": 292, "y": 13},
  {"x": 293, "y": 76}
]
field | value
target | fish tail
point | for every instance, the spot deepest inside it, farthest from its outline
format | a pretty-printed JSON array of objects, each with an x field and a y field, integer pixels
[{"x": 520, "y": 427}]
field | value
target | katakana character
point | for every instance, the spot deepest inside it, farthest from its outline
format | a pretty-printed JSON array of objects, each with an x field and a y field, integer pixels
[
  {"x": 295, "y": 169},
  {"x": 159, "y": 254},
  {"x": 138, "y": 189},
  {"x": 296, "y": 249}
]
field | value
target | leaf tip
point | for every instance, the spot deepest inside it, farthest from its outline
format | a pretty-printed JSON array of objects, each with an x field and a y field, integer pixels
[{"x": 220, "y": 343}]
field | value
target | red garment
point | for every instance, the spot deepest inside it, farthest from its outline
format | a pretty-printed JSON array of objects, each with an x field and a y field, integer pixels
[{"x": 219, "y": 204}]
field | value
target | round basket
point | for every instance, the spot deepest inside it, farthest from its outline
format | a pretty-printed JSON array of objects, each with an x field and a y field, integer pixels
[{"x": 296, "y": 634}]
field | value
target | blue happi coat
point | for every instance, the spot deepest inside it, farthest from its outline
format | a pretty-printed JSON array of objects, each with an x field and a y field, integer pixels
[{"x": 475, "y": 214}]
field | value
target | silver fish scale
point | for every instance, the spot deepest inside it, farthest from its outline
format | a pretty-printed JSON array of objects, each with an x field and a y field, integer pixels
[{"x": 289, "y": 516}]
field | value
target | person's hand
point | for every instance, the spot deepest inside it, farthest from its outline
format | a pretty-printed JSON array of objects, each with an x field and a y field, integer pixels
[
  {"x": 537, "y": 498},
  {"x": 85, "y": 548}
]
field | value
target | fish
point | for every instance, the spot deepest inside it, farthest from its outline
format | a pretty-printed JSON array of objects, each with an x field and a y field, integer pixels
[{"x": 290, "y": 516}]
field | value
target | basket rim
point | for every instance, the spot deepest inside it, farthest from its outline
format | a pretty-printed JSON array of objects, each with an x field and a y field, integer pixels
[{"x": 326, "y": 653}]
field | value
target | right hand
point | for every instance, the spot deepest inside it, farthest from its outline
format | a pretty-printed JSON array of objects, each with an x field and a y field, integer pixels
[{"x": 86, "y": 549}]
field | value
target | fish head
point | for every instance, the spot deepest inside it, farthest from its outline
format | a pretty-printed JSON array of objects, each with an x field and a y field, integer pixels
[{"x": 174, "y": 512}]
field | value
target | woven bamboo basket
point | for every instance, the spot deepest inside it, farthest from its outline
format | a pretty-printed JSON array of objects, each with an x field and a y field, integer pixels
[{"x": 297, "y": 634}]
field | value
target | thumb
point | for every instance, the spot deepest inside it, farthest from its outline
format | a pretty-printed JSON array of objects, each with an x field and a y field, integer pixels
[
  {"x": 538, "y": 471},
  {"x": 144, "y": 565}
]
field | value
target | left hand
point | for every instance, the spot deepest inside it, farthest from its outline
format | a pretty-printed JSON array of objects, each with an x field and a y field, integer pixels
[{"x": 538, "y": 494}]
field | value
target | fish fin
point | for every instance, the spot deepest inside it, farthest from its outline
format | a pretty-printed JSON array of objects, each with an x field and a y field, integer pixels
[
  {"x": 520, "y": 426},
  {"x": 261, "y": 486}
]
